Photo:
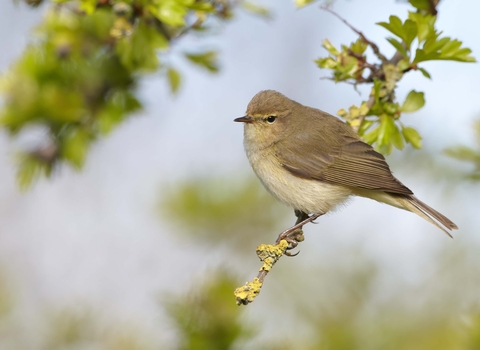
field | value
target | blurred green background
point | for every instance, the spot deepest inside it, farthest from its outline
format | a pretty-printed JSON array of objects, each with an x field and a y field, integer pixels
[{"x": 144, "y": 247}]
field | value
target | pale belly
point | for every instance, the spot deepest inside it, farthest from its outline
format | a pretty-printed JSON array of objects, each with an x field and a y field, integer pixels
[{"x": 309, "y": 196}]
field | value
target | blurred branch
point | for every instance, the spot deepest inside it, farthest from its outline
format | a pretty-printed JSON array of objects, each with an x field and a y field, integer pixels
[
  {"x": 468, "y": 154},
  {"x": 205, "y": 317},
  {"x": 79, "y": 79}
]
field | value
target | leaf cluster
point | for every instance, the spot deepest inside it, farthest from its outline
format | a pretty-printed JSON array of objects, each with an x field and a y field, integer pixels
[
  {"x": 469, "y": 154},
  {"x": 416, "y": 41},
  {"x": 206, "y": 318},
  {"x": 382, "y": 125},
  {"x": 78, "y": 80},
  {"x": 430, "y": 45}
]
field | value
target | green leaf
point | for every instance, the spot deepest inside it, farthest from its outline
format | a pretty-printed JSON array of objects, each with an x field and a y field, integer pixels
[
  {"x": 433, "y": 44},
  {"x": 170, "y": 12},
  {"x": 330, "y": 48},
  {"x": 207, "y": 60},
  {"x": 327, "y": 63},
  {"x": 443, "y": 49},
  {"x": 139, "y": 51},
  {"x": 451, "y": 47},
  {"x": 88, "y": 6},
  {"x": 395, "y": 26},
  {"x": 377, "y": 86},
  {"x": 372, "y": 135},
  {"x": 385, "y": 149},
  {"x": 398, "y": 45},
  {"x": 391, "y": 108},
  {"x": 397, "y": 138},
  {"x": 116, "y": 108},
  {"x": 174, "y": 79},
  {"x": 414, "y": 101},
  {"x": 359, "y": 46},
  {"x": 28, "y": 170},
  {"x": 403, "y": 64},
  {"x": 75, "y": 147},
  {"x": 412, "y": 136},
  {"x": 463, "y": 153},
  {"x": 425, "y": 73},
  {"x": 425, "y": 25},
  {"x": 420, "y": 4},
  {"x": 422, "y": 56},
  {"x": 302, "y": 3},
  {"x": 366, "y": 124},
  {"x": 410, "y": 32},
  {"x": 387, "y": 128},
  {"x": 256, "y": 9}
]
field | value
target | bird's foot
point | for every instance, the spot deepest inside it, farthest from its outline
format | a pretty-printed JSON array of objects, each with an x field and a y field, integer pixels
[
  {"x": 293, "y": 239},
  {"x": 294, "y": 234}
]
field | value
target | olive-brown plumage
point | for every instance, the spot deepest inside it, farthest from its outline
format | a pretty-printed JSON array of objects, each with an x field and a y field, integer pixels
[{"x": 312, "y": 161}]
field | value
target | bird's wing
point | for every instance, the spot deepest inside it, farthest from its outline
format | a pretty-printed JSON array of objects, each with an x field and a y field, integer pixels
[{"x": 348, "y": 161}]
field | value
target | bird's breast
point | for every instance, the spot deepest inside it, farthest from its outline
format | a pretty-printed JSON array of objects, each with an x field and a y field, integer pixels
[{"x": 310, "y": 196}]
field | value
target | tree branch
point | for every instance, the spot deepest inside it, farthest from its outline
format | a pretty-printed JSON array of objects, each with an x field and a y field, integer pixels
[
  {"x": 433, "y": 7},
  {"x": 270, "y": 254},
  {"x": 374, "y": 46}
]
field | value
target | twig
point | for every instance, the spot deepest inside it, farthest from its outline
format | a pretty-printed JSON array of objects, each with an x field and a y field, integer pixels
[
  {"x": 269, "y": 254},
  {"x": 374, "y": 46},
  {"x": 433, "y": 7}
]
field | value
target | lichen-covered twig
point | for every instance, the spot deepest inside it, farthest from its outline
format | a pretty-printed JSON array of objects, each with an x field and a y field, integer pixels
[{"x": 269, "y": 254}]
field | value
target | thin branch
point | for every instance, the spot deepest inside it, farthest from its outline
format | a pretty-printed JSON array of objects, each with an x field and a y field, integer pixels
[
  {"x": 269, "y": 254},
  {"x": 433, "y": 7},
  {"x": 374, "y": 46}
]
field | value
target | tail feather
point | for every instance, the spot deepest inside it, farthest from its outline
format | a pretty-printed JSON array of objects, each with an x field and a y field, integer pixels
[{"x": 416, "y": 206}]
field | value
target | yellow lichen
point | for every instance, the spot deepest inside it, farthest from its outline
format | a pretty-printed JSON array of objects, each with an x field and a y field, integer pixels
[
  {"x": 269, "y": 254},
  {"x": 245, "y": 294}
]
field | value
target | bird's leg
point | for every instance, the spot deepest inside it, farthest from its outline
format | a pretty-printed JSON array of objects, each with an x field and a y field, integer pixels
[
  {"x": 297, "y": 235},
  {"x": 294, "y": 234}
]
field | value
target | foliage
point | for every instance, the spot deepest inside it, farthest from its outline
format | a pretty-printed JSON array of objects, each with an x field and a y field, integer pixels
[
  {"x": 468, "y": 154},
  {"x": 221, "y": 210},
  {"x": 416, "y": 40},
  {"x": 206, "y": 318},
  {"x": 341, "y": 306},
  {"x": 78, "y": 80}
]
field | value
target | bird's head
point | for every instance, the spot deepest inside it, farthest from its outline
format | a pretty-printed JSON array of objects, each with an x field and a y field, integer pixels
[{"x": 268, "y": 118}]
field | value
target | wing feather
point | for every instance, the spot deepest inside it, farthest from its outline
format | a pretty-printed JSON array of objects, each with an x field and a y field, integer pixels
[{"x": 349, "y": 162}]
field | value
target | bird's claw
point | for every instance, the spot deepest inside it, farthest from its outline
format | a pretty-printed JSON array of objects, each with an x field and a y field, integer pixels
[
  {"x": 292, "y": 239},
  {"x": 292, "y": 255}
]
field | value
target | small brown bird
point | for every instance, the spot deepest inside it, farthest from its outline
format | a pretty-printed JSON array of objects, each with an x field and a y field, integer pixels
[{"x": 312, "y": 161}]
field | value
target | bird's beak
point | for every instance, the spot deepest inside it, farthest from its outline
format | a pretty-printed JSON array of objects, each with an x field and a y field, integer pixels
[{"x": 245, "y": 119}]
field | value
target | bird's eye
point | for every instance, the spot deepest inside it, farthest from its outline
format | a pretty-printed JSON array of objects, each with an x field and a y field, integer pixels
[{"x": 271, "y": 119}]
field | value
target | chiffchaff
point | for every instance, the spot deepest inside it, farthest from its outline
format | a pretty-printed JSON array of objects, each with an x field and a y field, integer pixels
[{"x": 312, "y": 161}]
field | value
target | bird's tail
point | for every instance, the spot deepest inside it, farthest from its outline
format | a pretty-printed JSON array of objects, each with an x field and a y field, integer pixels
[{"x": 416, "y": 206}]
